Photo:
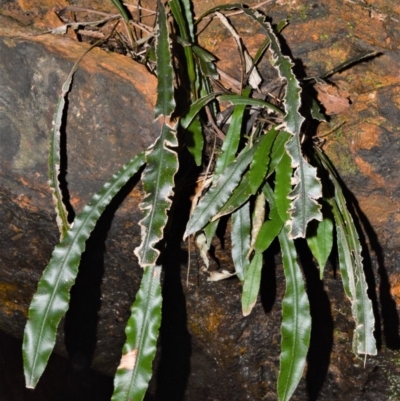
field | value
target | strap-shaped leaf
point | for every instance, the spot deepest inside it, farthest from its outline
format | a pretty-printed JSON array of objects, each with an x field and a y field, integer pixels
[
  {"x": 268, "y": 232},
  {"x": 195, "y": 140},
  {"x": 320, "y": 243},
  {"x": 219, "y": 193},
  {"x": 135, "y": 368},
  {"x": 158, "y": 183},
  {"x": 351, "y": 267},
  {"x": 241, "y": 194},
  {"x": 51, "y": 299},
  {"x": 165, "y": 104},
  {"x": 272, "y": 227},
  {"x": 356, "y": 289},
  {"x": 258, "y": 217},
  {"x": 251, "y": 285},
  {"x": 184, "y": 20},
  {"x": 240, "y": 236},
  {"x": 283, "y": 186},
  {"x": 54, "y": 159},
  {"x": 161, "y": 161},
  {"x": 296, "y": 321},
  {"x": 261, "y": 164},
  {"x": 307, "y": 187}
]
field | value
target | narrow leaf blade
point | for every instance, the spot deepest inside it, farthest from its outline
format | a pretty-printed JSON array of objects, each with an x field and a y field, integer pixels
[
  {"x": 135, "y": 369},
  {"x": 307, "y": 187},
  {"x": 307, "y": 190},
  {"x": 240, "y": 236},
  {"x": 51, "y": 299},
  {"x": 351, "y": 267},
  {"x": 296, "y": 321},
  {"x": 232, "y": 139},
  {"x": 251, "y": 284},
  {"x": 158, "y": 183},
  {"x": 272, "y": 227},
  {"x": 283, "y": 187},
  {"x": 165, "y": 105}
]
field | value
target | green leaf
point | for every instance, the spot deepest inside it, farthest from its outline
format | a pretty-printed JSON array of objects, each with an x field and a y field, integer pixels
[
  {"x": 232, "y": 139},
  {"x": 224, "y": 7},
  {"x": 296, "y": 321},
  {"x": 135, "y": 369},
  {"x": 161, "y": 161},
  {"x": 261, "y": 164},
  {"x": 195, "y": 140},
  {"x": 356, "y": 289},
  {"x": 206, "y": 61},
  {"x": 54, "y": 153},
  {"x": 246, "y": 101},
  {"x": 351, "y": 267},
  {"x": 219, "y": 193},
  {"x": 158, "y": 183},
  {"x": 184, "y": 21},
  {"x": 251, "y": 284},
  {"x": 320, "y": 243},
  {"x": 165, "y": 105},
  {"x": 307, "y": 187},
  {"x": 54, "y": 156},
  {"x": 266, "y": 42},
  {"x": 258, "y": 217},
  {"x": 121, "y": 10},
  {"x": 244, "y": 190},
  {"x": 283, "y": 186},
  {"x": 51, "y": 299},
  {"x": 195, "y": 109},
  {"x": 272, "y": 227},
  {"x": 240, "y": 236}
]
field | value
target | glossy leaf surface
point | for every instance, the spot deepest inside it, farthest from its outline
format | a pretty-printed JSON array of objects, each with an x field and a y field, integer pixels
[
  {"x": 161, "y": 160},
  {"x": 296, "y": 321},
  {"x": 251, "y": 284},
  {"x": 232, "y": 139},
  {"x": 276, "y": 143},
  {"x": 219, "y": 193},
  {"x": 51, "y": 299},
  {"x": 158, "y": 184},
  {"x": 351, "y": 267},
  {"x": 240, "y": 236},
  {"x": 321, "y": 241},
  {"x": 307, "y": 186},
  {"x": 135, "y": 367},
  {"x": 165, "y": 105}
]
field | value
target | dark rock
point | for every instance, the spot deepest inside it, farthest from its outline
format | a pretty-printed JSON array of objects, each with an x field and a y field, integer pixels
[{"x": 109, "y": 119}]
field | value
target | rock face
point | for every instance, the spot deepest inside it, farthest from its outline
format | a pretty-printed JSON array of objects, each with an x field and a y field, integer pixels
[
  {"x": 109, "y": 120},
  {"x": 207, "y": 349}
]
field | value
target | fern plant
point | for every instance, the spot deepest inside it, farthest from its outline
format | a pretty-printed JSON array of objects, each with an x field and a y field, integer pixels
[{"x": 260, "y": 178}]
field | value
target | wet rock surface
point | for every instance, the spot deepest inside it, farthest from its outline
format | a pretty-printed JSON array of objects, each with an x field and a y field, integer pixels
[{"x": 207, "y": 349}]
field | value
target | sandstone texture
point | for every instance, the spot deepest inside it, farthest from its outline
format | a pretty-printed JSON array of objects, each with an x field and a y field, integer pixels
[{"x": 208, "y": 351}]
